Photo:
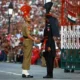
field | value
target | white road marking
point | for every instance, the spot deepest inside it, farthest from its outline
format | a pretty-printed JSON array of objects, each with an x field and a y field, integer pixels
[{"x": 10, "y": 73}]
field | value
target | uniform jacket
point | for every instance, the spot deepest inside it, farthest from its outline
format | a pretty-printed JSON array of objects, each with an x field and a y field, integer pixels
[{"x": 51, "y": 30}]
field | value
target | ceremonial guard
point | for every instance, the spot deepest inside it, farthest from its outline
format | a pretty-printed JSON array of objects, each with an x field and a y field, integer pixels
[
  {"x": 51, "y": 32},
  {"x": 27, "y": 42}
]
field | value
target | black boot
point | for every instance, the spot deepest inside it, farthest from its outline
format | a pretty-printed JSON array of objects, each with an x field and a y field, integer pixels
[
  {"x": 28, "y": 76},
  {"x": 48, "y": 76}
]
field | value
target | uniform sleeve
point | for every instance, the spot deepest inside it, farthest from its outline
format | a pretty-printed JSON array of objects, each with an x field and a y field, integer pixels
[
  {"x": 54, "y": 26},
  {"x": 27, "y": 30}
]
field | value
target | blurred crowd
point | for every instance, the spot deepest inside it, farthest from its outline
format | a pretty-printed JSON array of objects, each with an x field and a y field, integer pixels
[
  {"x": 11, "y": 49},
  {"x": 37, "y": 13}
]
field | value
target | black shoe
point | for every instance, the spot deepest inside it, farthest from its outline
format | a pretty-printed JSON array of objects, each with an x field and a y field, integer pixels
[
  {"x": 48, "y": 76},
  {"x": 72, "y": 70},
  {"x": 28, "y": 76}
]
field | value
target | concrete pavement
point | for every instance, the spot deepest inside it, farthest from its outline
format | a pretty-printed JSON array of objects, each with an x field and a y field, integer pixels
[{"x": 12, "y": 71}]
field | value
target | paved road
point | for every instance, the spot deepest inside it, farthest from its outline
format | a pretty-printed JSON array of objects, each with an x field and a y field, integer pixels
[{"x": 12, "y": 71}]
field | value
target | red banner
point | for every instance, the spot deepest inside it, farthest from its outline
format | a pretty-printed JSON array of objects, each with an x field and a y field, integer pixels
[{"x": 70, "y": 6}]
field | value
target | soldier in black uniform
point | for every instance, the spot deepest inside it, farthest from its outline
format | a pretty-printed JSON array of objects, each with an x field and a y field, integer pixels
[{"x": 51, "y": 31}]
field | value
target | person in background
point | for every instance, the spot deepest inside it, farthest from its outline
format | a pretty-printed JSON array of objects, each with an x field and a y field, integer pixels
[
  {"x": 57, "y": 58},
  {"x": 27, "y": 42},
  {"x": 35, "y": 54},
  {"x": 19, "y": 56},
  {"x": 51, "y": 32}
]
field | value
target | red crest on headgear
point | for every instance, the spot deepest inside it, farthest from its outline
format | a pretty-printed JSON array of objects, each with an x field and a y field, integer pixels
[{"x": 26, "y": 10}]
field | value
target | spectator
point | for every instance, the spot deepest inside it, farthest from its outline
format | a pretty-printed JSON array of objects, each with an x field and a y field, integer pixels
[
  {"x": 57, "y": 58},
  {"x": 3, "y": 55},
  {"x": 20, "y": 54},
  {"x": 35, "y": 55}
]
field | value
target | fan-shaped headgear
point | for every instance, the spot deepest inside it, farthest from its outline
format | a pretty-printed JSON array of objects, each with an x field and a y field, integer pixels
[{"x": 26, "y": 10}]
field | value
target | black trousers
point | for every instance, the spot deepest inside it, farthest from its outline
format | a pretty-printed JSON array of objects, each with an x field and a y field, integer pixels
[{"x": 49, "y": 62}]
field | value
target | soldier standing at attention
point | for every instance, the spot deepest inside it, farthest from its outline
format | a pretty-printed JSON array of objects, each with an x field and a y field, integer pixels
[
  {"x": 27, "y": 42},
  {"x": 51, "y": 32}
]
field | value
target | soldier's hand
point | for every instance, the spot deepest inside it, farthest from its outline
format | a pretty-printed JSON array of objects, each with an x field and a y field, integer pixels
[
  {"x": 37, "y": 41},
  {"x": 54, "y": 38},
  {"x": 49, "y": 49}
]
